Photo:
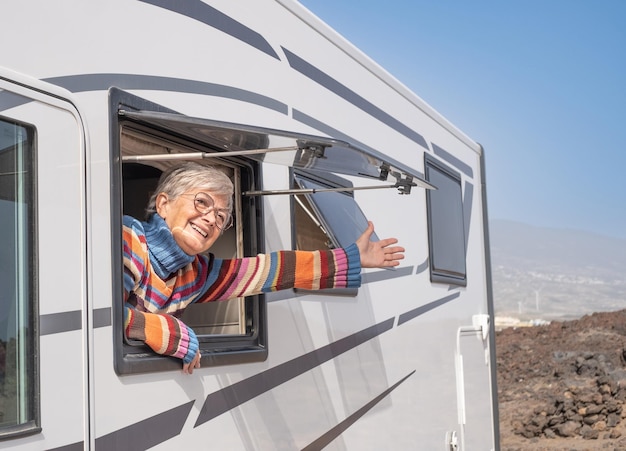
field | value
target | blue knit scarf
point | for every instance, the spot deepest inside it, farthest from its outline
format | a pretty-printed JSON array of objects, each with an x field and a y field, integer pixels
[{"x": 166, "y": 255}]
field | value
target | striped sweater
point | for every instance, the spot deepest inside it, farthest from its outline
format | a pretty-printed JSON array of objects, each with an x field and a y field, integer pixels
[{"x": 161, "y": 280}]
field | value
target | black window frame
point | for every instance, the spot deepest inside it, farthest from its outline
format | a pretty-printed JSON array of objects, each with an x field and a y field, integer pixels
[
  {"x": 32, "y": 425},
  {"x": 445, "y": 239},
  {"x": 133, "y": 358}
]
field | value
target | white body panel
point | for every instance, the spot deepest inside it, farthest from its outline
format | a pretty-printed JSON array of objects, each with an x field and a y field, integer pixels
[{"x": 76, "y": 53}]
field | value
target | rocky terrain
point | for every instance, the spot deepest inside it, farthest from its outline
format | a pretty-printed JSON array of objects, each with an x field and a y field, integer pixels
[{"x": 562, "y": 386}]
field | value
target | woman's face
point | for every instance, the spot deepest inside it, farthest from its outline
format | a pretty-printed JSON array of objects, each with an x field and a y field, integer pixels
[{"x": 193, "y": 231}]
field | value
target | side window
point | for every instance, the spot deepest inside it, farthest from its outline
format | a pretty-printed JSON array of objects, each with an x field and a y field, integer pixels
[
  {"x": 446, "y": 231},
  {"x": 228, "y": 331},
  {"x": 18, "y": 384}
]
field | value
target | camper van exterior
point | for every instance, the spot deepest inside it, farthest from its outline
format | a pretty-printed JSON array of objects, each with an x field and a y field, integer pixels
[{"x": 98, "y": 98}]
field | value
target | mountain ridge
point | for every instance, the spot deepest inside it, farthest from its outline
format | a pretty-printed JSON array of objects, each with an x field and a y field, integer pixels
[{"x": 551, "y": 273}]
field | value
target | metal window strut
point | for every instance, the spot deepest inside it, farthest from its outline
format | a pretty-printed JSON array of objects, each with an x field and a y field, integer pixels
[{"x": 403, "y": 185}]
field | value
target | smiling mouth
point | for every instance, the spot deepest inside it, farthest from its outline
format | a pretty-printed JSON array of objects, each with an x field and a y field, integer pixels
[{"x": 200, "y": 231}]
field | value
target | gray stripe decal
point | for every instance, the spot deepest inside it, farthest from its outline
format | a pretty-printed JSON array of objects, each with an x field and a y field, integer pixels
[
  {"x": 377, "y": 276},
  {"x": 454, "y": 161},
  {"x": 335, "y": 432},
  {"x": 386, "y": 274},
  {"x": 11, "y": 100},
  {"x": 355, "y": 99},
  {"x": 56, "y": 323},
  {"x": 102, "y": 317},
  {"x": 234, "y": 395},
  {"x": 281, "y": 295},
  {"x": 104, "y": 81},
  {"x": 147, "y": 433},
  {"x": 422, "y": 267},
  {"x": 78, "y": 446},
  {"x": 425, "y": 308},
  {"x": 197, "y": 10},
  {"x": 100, "y": 82},
  {"x": 67, "y": 321}
]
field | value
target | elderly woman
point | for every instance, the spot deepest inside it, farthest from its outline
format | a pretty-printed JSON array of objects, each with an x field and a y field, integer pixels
[{"x": 165, "y": 269}]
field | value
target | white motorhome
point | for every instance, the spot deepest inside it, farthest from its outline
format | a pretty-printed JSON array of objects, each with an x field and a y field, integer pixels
[{"x": 98, "y": 98}]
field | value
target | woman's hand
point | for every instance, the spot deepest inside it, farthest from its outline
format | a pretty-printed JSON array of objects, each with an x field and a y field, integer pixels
[
  {"x": 195, "y": 363},
  {"x": 378, "y": 254}
]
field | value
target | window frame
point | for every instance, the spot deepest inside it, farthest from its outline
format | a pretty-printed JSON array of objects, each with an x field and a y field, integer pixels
[
  {"x": 438, "y": 274},
  {"x": 216, "y": 349},
  {"x": 32, "y": 425}
]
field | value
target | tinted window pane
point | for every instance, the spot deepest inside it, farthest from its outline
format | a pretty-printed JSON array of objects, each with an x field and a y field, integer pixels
[
  {"x": 339, "y": 214},
  {"x": 16, "y": 276},
  {"x": 446, "y": 227}
]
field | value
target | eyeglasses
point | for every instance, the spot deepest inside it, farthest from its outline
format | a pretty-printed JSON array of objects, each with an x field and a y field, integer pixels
[{"x": 205, "y": 204}]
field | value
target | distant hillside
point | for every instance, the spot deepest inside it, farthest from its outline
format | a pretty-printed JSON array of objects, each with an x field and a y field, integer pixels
[{"x": 555, "y": 273}]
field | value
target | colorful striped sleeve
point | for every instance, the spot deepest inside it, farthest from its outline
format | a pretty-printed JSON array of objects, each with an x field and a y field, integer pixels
[
  {"x": 164, "y": 334},
  {"x": 337, "y": 268},
  {"x": 134, "y": 253}
]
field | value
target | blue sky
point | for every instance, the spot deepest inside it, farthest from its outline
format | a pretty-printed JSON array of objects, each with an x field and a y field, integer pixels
[{"x": 540, "y": 84}]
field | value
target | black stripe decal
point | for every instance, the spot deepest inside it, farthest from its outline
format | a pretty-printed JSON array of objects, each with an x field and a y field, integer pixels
[
  {"x": 197, "y": 10},
  {"x": 355, "y": 99},
  {"x": 425, "y": 308},
  {"x": 147, "y": 433},
  {"x": 234, "y": 395},
  {"x": 335, "y": 432}
]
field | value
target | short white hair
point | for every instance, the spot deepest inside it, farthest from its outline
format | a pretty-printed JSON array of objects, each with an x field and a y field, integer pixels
[{"x": 180, "y": 179}]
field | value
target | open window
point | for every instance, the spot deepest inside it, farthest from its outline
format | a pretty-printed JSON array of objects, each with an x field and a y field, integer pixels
[
  {"x": 446, "y": 230},
  {"x": 146, "y": 139},
  {"x": 210, "y": 320},
  {"x": 229, "y": 331},
  {"x": 18, "y": 276}
]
